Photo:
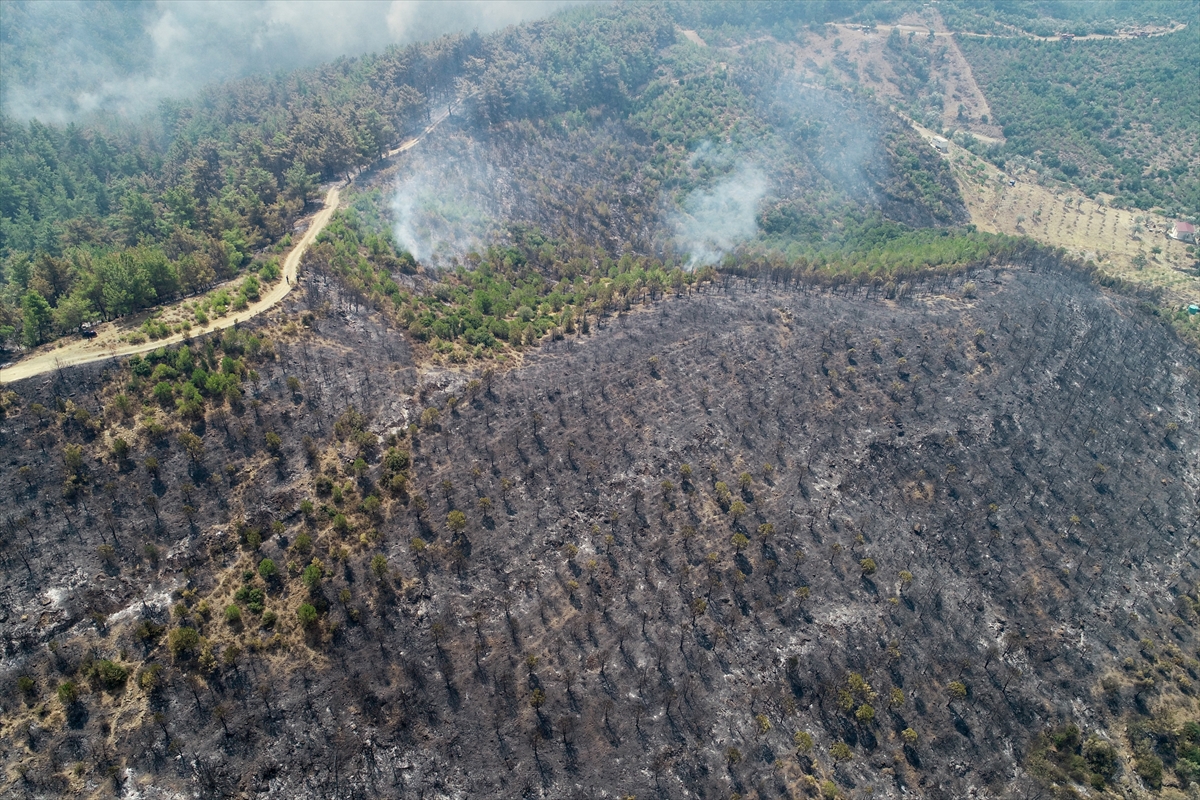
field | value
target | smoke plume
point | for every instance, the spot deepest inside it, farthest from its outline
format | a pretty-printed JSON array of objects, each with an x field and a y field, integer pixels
[
  {"x": 713, "y": 222},
  {"x": 445, "y": 202},
  {"x": 67, "y": 60}
]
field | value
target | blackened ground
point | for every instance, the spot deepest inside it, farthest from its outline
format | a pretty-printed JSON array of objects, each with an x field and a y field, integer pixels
[{"x": 1027, "y": 453}]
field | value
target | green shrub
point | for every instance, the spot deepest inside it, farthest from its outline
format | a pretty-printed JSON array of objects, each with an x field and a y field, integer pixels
[
  {"x": 164, "y": 392},
  {"x": 313, "y": 574},
  {"x": 307, "y": 614},
  {"x": 1149, "y": 768},
  {"x": 372, "y": 506},
  {"x": 68, "y": 693},
  {"x": 396, "y": 460},
  {"x": 183, "y": 641},
  {"x": 233, "y": 614},
  {"x": 148, "y": 678},
  {"x": 111, "y": 675},
  {"x": 252, "y": 596}
]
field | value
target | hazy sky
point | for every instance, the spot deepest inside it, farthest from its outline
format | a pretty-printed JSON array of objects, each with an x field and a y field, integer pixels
[{"x": 63, "y": 60}]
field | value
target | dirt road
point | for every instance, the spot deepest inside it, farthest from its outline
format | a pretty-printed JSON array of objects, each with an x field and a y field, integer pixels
[{"x": 108, "y": 345}]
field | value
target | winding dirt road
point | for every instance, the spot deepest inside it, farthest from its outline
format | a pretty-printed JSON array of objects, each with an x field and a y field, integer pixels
[{"x": 107, "y": 343}]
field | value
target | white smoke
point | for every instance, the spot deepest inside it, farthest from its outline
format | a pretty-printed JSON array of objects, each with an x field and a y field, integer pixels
[
  {"x": 713, "y": 222},
  {"x": 443, "y": 208},
  {"x": 65, "y": 60}
]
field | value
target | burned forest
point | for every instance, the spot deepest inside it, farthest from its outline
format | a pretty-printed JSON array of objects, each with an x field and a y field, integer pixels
[
  {"x": 756, "y": 538},
  {"x": 660, "y": 403}
]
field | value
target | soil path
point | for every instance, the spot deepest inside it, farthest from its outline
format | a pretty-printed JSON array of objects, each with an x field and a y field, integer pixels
[{"x": 108, "y": 344}]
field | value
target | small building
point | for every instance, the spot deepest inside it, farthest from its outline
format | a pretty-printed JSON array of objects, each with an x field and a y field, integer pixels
[
  {"x": 1183, "y": 231},
  {"x": 940, "y": 144}
]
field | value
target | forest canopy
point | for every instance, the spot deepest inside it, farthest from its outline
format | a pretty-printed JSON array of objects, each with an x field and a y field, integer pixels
[
  {"x": 603, "y": 129},
  {"x": 1113, "y": 116}
]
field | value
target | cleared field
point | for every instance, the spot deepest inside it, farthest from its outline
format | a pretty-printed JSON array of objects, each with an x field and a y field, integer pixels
[
  {"x": 857, "y": 53},
  {"x": 1121, "y": 242}
]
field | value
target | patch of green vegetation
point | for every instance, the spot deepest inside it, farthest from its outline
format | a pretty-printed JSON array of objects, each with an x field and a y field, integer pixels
[
  {"x": 1112, "y": 116},
  {"x": 1064, "y": 755},
  {"x": 508, "y": 297},
  {"x": 874, "y": 250},
  {"x": 192, "y": 378},
  {"x": 1052, "y": 17},
  {"x": 253, "y": 597},
  {"x": 1159, "y": 744}
]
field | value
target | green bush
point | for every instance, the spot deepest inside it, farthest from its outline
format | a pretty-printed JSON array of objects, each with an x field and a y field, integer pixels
[
  {"x": 111, "y": 675},
  {"x": 148, "y": 679},
  {"x": 372, "y": 506},
  {"x": 164, "y": 392},
  {"x": 396, "y": 460},
  {"x": 183, "y": 641},
  {"x": 252, "y": 596},
  {"x": 267, "y": 569},
  {"x": 313, "y": 574},
  {"x": 1149, "y": 768},
  {"x": 233, "y": 614},
  {"x": 67, "y": 693},
  {"x": 307, "y": 614}
]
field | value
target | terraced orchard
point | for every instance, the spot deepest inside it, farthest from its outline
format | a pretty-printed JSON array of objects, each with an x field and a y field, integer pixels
[
  {"x": 760, "y": 539},
  {"x": 1124, "y": 243}
]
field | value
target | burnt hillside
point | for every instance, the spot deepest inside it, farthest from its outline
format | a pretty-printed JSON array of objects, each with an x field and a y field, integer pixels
[{"x": 764, "y": 540}]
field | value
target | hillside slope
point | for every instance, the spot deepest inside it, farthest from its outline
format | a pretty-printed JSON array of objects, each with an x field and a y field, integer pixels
[{"x": 911, "y": 535}]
